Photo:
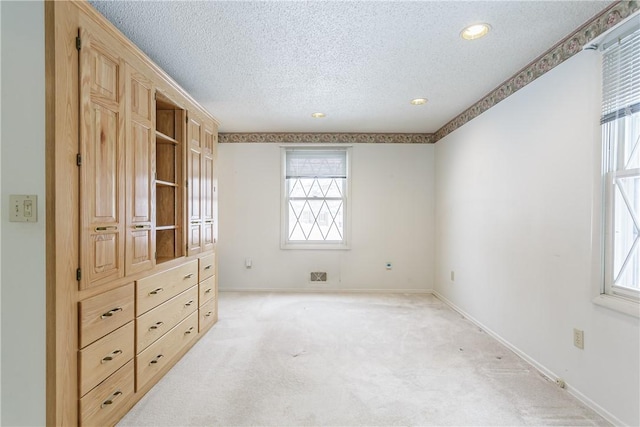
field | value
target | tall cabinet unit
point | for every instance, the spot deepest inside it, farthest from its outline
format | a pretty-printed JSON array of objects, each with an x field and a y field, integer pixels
[{"x": 136, "y": 204}]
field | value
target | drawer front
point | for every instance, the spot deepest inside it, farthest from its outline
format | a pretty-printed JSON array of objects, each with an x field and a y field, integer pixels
[
  {"x": 154, "y": 290},
  {"x": 160, "y": 354},
  {"x": 208, "y": 314},
  {"x": 207, "y": 266},
  {"x": 155, "y": 323},
  {"x": 102, "y": 406},
  {"x": 207, "y": 289},
  {"x": 105, "y": 356},
  {"x": 105, "y": 313}
]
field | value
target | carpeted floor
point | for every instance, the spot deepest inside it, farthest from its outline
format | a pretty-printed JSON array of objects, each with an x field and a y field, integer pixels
[{"x": 351, "y": 360}]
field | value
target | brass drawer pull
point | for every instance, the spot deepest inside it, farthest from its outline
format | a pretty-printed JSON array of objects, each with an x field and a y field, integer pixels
[
  {"x": 111, "y": 312},
  {"x": 109, "y": 228},
  {"x": 156, "y": 325},
  {"x": 194, "y": 222},
  {"x": 188, "y": 331},
  {"x": 188, "y": 276},
  {"x": 156, "y": 359},
  {"x": 209, "y": 314},
  {"x": 111, "y": 398},
  {"x": 156, "y": 291},
  {"x": 208, "y": 267},
  {"x": 142, "y": 227},
  {"x": 188, "y": 304},
  {"x": 111, "y": 356},
  {"x": 208, "y": 221},
  {"x": 208, "y": 291}
]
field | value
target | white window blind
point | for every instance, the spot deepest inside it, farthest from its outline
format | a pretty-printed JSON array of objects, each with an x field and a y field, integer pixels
[
  {"x": 621, "y": 77},
  {"x": 316, "y": 164},
  {"x": 621, "y": 162}
]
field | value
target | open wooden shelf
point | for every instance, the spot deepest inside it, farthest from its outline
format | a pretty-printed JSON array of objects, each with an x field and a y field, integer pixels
[
  {"x": 162, "y": 138},
  {"x": 170, "y": 137},
  {"x": 166, "y": 227}
]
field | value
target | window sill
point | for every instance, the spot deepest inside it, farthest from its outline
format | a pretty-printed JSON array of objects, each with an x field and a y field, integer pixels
[{"x": 622, "y": 305}]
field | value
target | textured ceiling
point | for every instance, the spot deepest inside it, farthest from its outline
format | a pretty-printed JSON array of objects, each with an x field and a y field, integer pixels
[{"x": 265, "y": 66}]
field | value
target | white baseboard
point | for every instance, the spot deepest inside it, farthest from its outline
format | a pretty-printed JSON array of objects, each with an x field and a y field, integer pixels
[
  {"x": 538, "y": 366},
  {"x": 329, "y": 291}
]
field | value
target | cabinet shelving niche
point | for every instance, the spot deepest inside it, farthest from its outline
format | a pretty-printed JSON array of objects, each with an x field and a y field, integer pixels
[{"x": 170, "y": 135}]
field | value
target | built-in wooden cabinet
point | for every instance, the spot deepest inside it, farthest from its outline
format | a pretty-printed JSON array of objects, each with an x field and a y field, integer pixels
[{"x": 138, "y": 158}]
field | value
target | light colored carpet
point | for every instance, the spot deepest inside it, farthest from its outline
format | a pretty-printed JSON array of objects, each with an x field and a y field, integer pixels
[{"x": 351, "y": 360}]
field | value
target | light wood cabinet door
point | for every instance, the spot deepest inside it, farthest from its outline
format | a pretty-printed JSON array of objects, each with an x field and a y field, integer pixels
[
  {"x": 140, "y": 171},
  {"x": 101, "y": 158},
  {"x": 208, "y": 205},
  {"x": 194, "y": 189}
]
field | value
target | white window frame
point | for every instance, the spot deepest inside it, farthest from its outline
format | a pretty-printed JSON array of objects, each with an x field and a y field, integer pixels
[
  {"x": 285, "y": 243},
  {"x": 618, "y": 298}
]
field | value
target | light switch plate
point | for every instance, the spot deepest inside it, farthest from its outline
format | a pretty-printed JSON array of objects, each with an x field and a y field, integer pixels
[{"x": 24, "y": 208}]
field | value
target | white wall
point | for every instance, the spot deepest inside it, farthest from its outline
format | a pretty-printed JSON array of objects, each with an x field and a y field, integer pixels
[
  {"x": 23, "y": 244},
  {"x": 515, "y": 192},
  {"x": 392, "y": 221}
]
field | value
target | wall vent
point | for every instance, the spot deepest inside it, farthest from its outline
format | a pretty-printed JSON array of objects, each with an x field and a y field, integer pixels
[{"x": 318, "y": 276}]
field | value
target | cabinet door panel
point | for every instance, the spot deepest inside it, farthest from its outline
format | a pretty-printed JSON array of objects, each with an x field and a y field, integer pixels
[
  {"x": 102, "y": 153},
  {"x": 140, "y": 160},
  {"x": 194, "y": 159},
  {"x": 207, "y": 196}
]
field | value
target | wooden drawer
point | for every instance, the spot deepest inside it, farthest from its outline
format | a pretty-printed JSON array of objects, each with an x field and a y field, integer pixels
[
  {"x": 105, "y": 313},
  {"x": 155, "y": 323},
  {"x": 105, "y": 356},
  {"x": 207, "y": 266},
  {"x": 207, "y": 289},
  {"x": 208, "y": 314},
  {"x": 154, "y": 290},
  {"x": 102, "y": 406},
  {"x": 160, "y": 354}
]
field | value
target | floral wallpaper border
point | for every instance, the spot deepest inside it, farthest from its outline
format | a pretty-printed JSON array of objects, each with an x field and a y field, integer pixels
[
  {"x": 330, "y": 138},
  {"x": 559, "y": 53}
]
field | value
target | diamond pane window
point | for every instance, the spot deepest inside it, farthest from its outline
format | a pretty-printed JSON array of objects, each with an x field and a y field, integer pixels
[
  {"x": 621, "y": 165},
  {"x": 315, "y": 195}
]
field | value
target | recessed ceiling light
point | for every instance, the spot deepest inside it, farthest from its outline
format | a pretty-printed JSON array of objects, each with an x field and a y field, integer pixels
[
  {"x": 418, "y": 101},
  {"x": 318, "y": 115},
  {"x": 475, "y": 31}
]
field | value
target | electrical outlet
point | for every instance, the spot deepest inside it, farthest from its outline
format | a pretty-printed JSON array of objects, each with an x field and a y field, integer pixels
[{"x": 578, "y": 338}]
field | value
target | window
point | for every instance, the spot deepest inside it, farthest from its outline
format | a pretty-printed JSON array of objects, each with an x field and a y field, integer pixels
[
  {"x": 621, "y": 165},
  {"x": 315, "y": 197}
]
